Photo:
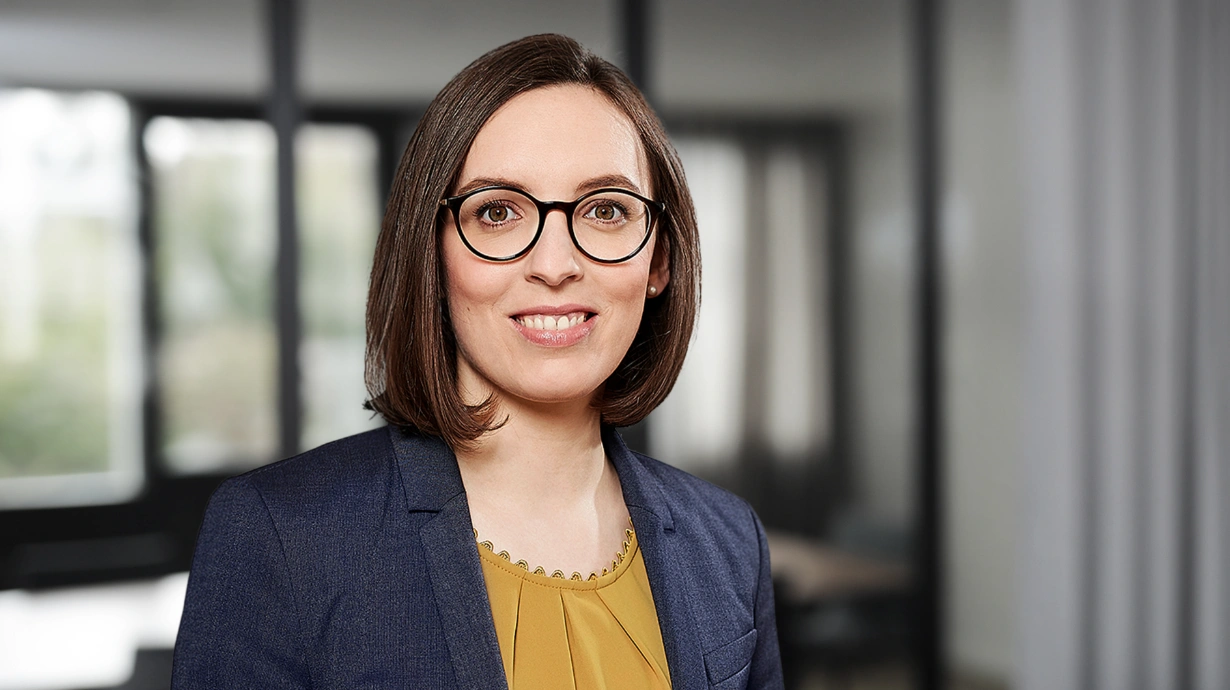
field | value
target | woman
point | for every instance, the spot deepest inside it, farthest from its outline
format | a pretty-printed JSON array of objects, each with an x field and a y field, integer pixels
[{"x": 535, "y": 285}]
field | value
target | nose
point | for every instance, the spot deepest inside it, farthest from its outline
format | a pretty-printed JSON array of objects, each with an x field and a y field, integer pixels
[{"x": 554, "y": 258}]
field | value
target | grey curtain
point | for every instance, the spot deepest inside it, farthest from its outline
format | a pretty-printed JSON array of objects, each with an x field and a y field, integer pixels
[{"x": 1124, "y": 561}]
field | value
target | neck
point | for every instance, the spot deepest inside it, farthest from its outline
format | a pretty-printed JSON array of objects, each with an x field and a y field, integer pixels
[{"x": 548, "y": 456}]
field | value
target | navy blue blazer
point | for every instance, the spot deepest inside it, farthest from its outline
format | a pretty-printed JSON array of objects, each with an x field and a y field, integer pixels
[{"x": 354, "y": 566}]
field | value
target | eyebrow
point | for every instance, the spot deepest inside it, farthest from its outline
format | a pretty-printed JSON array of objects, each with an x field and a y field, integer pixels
[{"x": 615, "y": 180}]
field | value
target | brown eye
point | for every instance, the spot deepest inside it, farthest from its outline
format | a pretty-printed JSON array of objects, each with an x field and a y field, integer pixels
[
  {"x": 606, "y": 212},
  {"x": 497, "y": 214}
]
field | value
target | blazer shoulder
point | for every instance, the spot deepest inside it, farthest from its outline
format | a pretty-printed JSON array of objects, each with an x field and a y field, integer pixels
[{"x": 347, "y": 474}]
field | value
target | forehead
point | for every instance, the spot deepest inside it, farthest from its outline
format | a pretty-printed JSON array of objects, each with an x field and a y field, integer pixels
[{"x": 553, "y": 139}]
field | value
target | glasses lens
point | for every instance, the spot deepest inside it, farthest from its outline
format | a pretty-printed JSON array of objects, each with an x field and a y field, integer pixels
[
  {"x": 498, "y": 222},
  {"x": 610, "y": 225}
]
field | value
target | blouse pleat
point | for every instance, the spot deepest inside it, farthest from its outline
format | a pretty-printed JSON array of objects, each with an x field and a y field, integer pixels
[{"x": 576, "y": 634}]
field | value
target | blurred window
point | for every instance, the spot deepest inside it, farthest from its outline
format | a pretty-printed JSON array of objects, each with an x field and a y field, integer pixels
[
  {"x": 70, "y": 348},
  {"x": 215, "y": 223},
  {"x": 796, "y": 346},
  {"x": 339, "y": 214},
  {"x": 73, "y": 356},
  {"x": 757, "y": 377},
  {"x": 700, "y": 426},
  {"x": 215, "y": 247}
]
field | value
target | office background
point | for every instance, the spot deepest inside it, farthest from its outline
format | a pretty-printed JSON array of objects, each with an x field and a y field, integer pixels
[{"x": 963, "y": 341}]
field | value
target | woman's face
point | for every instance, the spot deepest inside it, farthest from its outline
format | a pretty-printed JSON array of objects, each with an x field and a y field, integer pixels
[{"x": 554, "y": 143}]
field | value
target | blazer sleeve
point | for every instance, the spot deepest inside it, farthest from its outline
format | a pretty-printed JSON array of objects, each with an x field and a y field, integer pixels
[
  {"x": 239, "y": 627},
  {"x": 766, "y": 669}
]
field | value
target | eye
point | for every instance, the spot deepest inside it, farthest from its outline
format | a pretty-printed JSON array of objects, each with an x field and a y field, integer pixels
[
  {"x": 496, "y": 213},
  {"x": 606, "y": 211}
]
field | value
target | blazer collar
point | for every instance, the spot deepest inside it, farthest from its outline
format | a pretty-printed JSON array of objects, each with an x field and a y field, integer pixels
[
  {"x": 660, "y": 549},
  {"x": 432, "y": 482},
  {"x": 640, "y": 487},
  {"x": 429, "y": 471}
]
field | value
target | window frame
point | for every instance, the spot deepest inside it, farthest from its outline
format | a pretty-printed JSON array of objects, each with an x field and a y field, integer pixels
[{"x": 155, "y": 532}]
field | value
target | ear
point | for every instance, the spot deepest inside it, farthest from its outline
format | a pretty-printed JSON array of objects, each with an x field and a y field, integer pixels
[{"x": 660, "y": 267}]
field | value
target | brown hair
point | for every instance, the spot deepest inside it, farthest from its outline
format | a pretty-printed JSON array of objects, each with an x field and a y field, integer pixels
[{"x": 411, "y": 364}]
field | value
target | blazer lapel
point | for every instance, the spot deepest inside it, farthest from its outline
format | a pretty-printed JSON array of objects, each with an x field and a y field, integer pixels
[
  {"x": 655, "y": 532},
  {"x": 432, "y": 483},
  {"x": 461, "y": 595}
]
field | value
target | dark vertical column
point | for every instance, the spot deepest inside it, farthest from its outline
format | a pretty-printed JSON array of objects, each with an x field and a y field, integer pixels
[
  {"x": 929, "y": 631},
  {"x": 840, "y": 297},
  {"x": 634, "y": 40},
  {"x": 151, "y": 315},
  {"x": 755, "y": 474},
  {"x": 285, "y": 114},
  {"x": 634, "y": 44}
]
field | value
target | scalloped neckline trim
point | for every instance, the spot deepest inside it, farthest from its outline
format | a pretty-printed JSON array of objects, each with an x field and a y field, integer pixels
[{"x": 621, "y": 557}]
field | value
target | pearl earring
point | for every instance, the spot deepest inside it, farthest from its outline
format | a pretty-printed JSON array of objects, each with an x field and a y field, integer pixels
[{"x": 652, "y": 291}]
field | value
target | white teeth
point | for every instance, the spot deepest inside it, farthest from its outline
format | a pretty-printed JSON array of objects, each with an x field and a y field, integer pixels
[{"x": 550, "y": 322}]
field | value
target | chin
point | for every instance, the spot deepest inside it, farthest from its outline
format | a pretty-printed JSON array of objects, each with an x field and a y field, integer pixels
[
  {"x": 538, "y": 381},
  {"x": 553, "y": 395}
]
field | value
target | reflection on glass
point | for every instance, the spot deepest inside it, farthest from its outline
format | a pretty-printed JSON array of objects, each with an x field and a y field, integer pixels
[
  {"x": 215, "y": 243},
  {"x": 69, "y": 301},
  {"x": 339, "y": 219}
]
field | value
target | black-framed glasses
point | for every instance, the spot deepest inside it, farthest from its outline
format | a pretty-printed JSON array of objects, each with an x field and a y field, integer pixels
[{"x": 608, "y": 225}]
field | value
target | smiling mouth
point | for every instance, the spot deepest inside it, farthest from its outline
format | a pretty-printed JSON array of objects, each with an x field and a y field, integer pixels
[{"x": 549, "y": 322}]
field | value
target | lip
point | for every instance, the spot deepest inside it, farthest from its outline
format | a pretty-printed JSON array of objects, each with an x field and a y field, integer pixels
[
  {"x": 564, "y": 338},
  {"x": 555, "y": 311}
]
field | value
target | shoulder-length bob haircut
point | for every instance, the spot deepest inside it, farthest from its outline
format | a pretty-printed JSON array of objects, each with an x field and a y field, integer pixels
[{"x": 411, "y": 364}]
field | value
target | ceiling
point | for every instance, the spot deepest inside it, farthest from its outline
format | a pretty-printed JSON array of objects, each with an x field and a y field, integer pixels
[{"x": 774, "y": 55}]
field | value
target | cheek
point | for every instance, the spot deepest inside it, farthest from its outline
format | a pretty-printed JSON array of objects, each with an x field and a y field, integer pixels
[
  {"x": 626, "y": 288},
  {"x": 630, "y": 291},
  {"x": 469, "y": 285},
  {"x": 632, "y": 278}
]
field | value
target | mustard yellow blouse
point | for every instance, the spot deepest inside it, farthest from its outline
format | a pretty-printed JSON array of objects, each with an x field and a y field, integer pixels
[{"x": 575, "y": 633}]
